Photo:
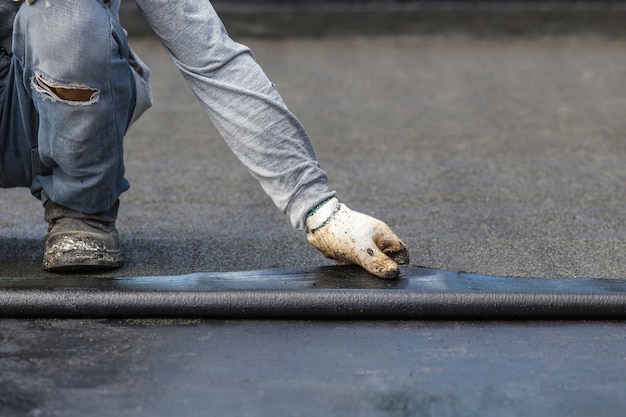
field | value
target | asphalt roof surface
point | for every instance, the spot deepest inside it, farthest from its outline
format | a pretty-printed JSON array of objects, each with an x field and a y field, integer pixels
[
  {"x": 490, "y": 156},
  {"x": 496, "y": 156}
]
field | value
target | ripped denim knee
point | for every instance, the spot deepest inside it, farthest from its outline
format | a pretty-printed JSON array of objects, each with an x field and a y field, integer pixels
[{"x": 63, "y": 92}]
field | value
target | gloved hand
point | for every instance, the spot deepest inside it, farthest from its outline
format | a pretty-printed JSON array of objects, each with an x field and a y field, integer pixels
[{"x": 350, "y": 237}]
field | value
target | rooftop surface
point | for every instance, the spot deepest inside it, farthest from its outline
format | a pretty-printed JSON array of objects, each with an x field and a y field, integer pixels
[
  {"x": 500, "y": 156},
  {"x": 490, "y": 155}
]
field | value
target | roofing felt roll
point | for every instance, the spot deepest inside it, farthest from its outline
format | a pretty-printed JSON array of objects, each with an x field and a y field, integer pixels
[{"x": 339, "y": 292}]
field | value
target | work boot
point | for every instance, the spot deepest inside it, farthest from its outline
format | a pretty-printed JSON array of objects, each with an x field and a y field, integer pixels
[{"x": 80, "y": 242}]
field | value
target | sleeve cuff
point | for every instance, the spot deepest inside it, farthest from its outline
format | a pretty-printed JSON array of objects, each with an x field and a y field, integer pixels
[{"x": 321, "y": 215}]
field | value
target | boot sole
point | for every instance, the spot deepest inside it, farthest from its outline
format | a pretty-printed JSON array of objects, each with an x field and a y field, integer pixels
[{"x": 75, "y": 255}]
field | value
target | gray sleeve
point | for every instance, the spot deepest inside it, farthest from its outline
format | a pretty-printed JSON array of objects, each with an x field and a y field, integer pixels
[{"x": 242, "y": 103}]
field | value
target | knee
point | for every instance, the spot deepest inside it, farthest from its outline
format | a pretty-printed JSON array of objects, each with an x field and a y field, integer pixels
[
  {"x": 61, "y": 19},
  {"x": 68, "y": 48},
  {"x": 67, "y": 92},
  {"x": 67, "y": 33}
]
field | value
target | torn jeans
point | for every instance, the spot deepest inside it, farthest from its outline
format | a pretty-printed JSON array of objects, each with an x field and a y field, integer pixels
[
  {"x": 239, "y": 98},
  {"x": 67, "y": 97}
]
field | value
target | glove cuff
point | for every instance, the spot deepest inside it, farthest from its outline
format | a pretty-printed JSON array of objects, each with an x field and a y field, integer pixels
[{"x": 322, "y": 214}]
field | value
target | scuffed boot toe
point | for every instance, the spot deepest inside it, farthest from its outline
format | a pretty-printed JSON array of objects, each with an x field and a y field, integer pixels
[
  {"x": 80, "y": 251},
  {"x": 80, "y": 242}
]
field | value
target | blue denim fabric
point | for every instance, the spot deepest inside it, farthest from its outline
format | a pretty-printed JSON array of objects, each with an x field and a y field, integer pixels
[
  {"x": 82, "y": 145},
  {"x": 68, "y": 151}
]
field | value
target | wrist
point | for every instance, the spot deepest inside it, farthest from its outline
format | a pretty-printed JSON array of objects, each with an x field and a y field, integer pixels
[{"x": 322, "y": 214}]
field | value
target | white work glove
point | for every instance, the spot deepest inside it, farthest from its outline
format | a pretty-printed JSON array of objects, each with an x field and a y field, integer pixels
[{"x": 350, "y": 237}]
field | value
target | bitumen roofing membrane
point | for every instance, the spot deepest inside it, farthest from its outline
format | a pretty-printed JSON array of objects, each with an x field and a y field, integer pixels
[
  {"x": 499, "y": 160},
  {"x": 325, "y": 293}
]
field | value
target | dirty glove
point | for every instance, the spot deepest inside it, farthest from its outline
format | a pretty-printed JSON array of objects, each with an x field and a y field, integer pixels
[{"x": 350, "y": 237}]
